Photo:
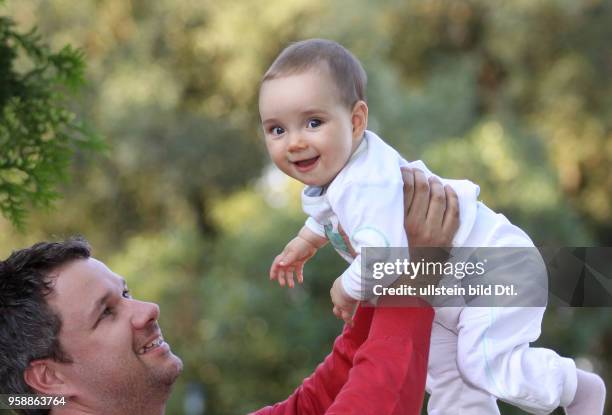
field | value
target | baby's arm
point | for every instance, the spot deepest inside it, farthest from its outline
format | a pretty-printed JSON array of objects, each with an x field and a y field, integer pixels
[{"x": 299, "y": 250}]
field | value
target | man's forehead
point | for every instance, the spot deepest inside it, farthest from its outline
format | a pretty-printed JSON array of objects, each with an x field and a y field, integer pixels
[
  {"x": 84, "y": 272},
  {"x": 79, "y": 284}
]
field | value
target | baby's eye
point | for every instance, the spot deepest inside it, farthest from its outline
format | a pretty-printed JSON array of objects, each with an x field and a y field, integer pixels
[
  {"x": 126, "y": 293},
  {"x": 277, "y": 130},
  {"x": 314, "y": 123}
]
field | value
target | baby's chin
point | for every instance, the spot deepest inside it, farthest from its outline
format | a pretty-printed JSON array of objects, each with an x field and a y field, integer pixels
[{"x": 314, "y": 182}]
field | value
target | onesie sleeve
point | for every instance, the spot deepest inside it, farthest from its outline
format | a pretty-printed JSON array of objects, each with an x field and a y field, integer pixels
[
  {"x": 372, "y": 215},
  {"x": 315, "y": 226}
]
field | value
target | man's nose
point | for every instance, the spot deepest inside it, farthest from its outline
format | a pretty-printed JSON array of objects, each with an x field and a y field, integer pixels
[
  {"x": 296, "y": 142},
  {"x": 144, "y": 314}
]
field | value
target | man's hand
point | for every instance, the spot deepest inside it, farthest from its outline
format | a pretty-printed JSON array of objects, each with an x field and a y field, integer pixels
[
  {"x": 431, "y": 219},
  {"x": 344, "y": 305},
  {"x": 431, "y": 211}
]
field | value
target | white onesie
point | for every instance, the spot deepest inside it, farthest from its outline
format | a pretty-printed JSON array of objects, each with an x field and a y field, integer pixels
[{"x": 478, "y": 354}]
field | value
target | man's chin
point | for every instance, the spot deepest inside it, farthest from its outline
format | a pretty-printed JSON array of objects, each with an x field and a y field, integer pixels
[
  {"x": 167, "y": 372},
  {"x": 175, "y": 368}
]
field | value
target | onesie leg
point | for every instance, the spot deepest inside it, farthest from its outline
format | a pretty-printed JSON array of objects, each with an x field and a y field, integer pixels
[
  {"x": 493, "y": 354},
  {"x": 450, "y": 395}
]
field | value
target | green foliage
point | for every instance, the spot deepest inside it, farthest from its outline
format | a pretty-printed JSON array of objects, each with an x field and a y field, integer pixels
[{"x": 38, "y": 132}]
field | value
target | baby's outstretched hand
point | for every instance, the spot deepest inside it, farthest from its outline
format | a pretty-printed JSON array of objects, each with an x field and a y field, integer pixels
[
  {"x": 344, "y": 305},
  {"x": 291, "y": 261}
]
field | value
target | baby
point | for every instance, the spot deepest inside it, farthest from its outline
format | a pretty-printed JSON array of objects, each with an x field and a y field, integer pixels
[{"x": 314, "y": 115}]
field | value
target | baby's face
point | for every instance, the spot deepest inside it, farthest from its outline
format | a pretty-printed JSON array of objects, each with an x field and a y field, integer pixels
[{"x": 309, "y": 131}]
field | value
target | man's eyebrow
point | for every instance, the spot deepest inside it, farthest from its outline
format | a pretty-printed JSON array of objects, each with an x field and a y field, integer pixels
[{"x": 102, "y": 300}]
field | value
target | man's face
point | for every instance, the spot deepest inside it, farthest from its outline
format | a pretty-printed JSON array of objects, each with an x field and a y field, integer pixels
[
  {"x": 309, "y": 131},
  {"x": 113, "y": 340}
]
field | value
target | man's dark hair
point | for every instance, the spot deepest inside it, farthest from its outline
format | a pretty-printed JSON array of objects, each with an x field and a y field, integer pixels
[{"x": 29, "y": 328}]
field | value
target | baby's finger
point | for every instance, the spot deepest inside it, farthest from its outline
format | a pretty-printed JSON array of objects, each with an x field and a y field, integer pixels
[
  {"x": 274, "y": 267},
  {"x": 347, "y": 317},
  {"x": 272, "y": 273},
  {"x": 300, "y": 273},
  {"x": 289, "y": 276},
  {"x": 281, "y": 277}
]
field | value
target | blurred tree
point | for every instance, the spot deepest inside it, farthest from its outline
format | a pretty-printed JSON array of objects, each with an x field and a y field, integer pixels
[
  {"x": 513, "y": 96},
  {"x": 38, "y": 132},
  {"x": 542, "y": 65}
]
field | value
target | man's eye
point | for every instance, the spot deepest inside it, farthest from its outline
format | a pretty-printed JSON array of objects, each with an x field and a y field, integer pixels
[
  {"x": 314, "y": 123},
  {"x": 277, "y": 130},
  {"x": 108, "y": 311}
]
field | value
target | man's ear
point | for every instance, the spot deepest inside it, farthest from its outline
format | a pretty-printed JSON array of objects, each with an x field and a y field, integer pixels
[
  {"x": 44, "y": 377},
  {"x": 359, "y": 119}
]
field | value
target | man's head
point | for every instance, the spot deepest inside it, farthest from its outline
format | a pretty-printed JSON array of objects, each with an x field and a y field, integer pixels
[
  {"x": 69, "y": 327},
  {"x": 313, "y": 109}
]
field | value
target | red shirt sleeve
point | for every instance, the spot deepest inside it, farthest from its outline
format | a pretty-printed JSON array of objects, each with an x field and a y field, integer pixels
[
  {"x": 383, "y": 375},
  {"x": 318, "y": 391},
  {"x": 390, "y": 368}
]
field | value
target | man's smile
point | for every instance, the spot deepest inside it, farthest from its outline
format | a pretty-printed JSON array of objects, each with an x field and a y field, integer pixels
[{"x": 152, "y": 344}]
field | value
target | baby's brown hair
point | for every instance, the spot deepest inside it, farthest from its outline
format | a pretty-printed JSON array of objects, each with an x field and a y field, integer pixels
[{"x": 345, "y": 69}]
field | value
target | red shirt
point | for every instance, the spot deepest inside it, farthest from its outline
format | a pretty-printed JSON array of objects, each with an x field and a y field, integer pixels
[{"x": 377, "y": 367}]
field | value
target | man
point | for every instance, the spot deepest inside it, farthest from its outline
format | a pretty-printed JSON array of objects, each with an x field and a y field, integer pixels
[
  {"x": 69, "y": 327},
  {"x": 109, "y": 352}
]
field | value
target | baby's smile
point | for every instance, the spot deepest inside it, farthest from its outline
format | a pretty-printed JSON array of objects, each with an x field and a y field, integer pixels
[{"x": 305, "y": 165}]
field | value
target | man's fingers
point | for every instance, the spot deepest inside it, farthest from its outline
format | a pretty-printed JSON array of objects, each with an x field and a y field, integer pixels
[
  {"x": 408, "y": 178},
  {"x": 437, "y": 203},
  {"x": 451, "y": 222},
  {"x": 420, "y": 200}
]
